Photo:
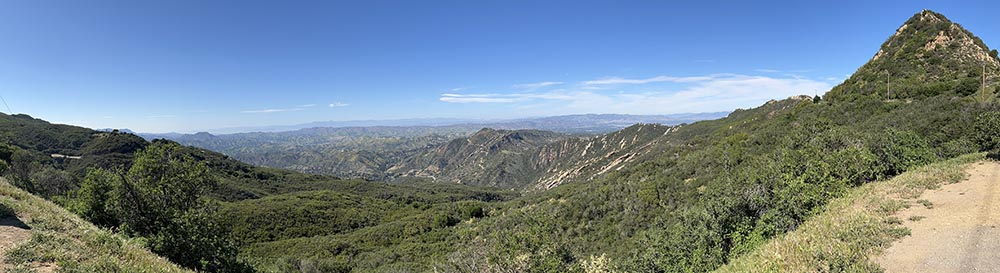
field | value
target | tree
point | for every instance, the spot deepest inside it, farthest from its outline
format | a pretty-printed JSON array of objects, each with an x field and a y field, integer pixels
[
  {"x": 50, "y": 182},
  {"x": 92, "y": 198},
  {"x": 22, "y": 164},
  {"x": 159, "y": 198},
  {"x": 163, "y": 183}
]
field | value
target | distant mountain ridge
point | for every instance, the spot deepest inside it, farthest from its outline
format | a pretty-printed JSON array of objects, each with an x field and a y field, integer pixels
[
  {"x": 584, "y": 123},
  {"x": 519, "y": 154},
  {"x": 530, "y": 159}
]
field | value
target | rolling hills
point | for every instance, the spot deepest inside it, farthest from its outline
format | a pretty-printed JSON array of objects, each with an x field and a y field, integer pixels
[{"x": 385, "y": 152}]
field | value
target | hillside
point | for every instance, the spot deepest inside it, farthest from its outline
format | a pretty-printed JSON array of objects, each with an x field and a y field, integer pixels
[
  {"x": 853, "y": 230},
  {"x": 497, "y": 158},
  {"x": 194, "y": 206},
  {"x": 39, "y": 235}
]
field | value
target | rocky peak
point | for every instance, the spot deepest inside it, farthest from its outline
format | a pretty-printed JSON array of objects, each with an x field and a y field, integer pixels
[{"x": 928, "y": 49}]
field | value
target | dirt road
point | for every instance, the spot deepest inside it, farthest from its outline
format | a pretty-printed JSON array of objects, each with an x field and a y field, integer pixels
[{"x": 956, "y": 231}]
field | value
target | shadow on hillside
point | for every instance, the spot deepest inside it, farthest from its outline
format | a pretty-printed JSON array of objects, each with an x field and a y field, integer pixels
[{"x": 13, "y": 221}]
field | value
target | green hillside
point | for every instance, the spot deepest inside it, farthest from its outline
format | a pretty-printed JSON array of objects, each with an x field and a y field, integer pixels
[
  {"x": 195, "y": 206},
  {"x": 854, "y": 227},
  {"x": 55, "y": 238}
]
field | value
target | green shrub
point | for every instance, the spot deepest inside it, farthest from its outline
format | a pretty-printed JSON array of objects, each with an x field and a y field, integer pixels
[
  {"x": 987, "y": 131},
  {"x": 903, "y": 150}
]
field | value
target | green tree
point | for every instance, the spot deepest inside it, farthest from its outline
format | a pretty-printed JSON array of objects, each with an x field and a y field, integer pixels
[
  {"x": 92, "y": 198},
  {"x": 162, "y": 184},
  {"x": 159, "y": 198},
  {"x": 50, "y": 182},
  {"x": 22, "y": 164}
]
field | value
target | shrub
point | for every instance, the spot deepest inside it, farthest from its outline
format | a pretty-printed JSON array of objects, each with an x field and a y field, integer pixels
[
  {"x": 987, "y": 131},
  {"x": 903, "y": 150}
]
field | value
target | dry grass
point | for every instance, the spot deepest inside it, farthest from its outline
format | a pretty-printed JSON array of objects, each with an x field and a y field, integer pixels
[
  {"x": 852, "y": 228},
  {"x": 73, "y": 244}
]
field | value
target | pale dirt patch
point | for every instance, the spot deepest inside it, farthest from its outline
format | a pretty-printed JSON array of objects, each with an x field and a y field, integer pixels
[
  {"x": 14, "y": 232},
  {"x": 959, "y": 234}
]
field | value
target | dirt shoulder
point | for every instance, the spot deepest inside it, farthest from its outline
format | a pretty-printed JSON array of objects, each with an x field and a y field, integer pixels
[
  {"x": 954, "y": 230},
  {"x": 13, "y": 232}
]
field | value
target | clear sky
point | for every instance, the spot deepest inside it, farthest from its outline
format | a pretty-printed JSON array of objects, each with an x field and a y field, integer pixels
[{"x": 178, "y": 65}]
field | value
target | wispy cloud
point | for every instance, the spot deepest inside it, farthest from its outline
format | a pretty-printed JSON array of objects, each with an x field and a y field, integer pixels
[
  {"x": 456, "y": 89},
  {"x": 306, "y": 105},
  {"x": 618, "y": 80},
  {"x": 483, "y": 98},
  {"x": 767, "y": 70},
  {"x": 717, "y": 92},
  {"x": 264, "y": 111},
  {"x": 535, "y": 85},
  {"x": 338, "y": 104},
  {"x": 161, "y": 116}
]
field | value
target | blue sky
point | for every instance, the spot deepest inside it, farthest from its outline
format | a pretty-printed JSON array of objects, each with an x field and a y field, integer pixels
[{"x": 160, "y": 66}]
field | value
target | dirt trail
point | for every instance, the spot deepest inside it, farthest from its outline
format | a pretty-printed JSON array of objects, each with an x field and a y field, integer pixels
[
  {"x": 959, "y": 233},
  {"x": 12, "y": 233}
]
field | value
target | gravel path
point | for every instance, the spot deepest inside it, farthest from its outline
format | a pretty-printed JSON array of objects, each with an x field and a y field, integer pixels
[{"x": 958, "y": 231}]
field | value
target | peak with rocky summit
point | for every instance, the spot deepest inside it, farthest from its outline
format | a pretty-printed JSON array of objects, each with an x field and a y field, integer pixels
[{"x": 928, "y": 55}]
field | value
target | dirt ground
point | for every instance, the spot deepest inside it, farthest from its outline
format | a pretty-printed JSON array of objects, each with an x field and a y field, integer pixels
[
  {"x": 958, "y": 233},
  {"x": 12, "y": 233}
]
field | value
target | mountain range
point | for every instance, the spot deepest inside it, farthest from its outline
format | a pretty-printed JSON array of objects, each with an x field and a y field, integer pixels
[
  {"x": 391, "y": 152},
  {"x": 586, "y": 123}
]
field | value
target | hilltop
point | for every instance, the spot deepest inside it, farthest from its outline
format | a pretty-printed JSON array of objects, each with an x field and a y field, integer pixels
[{"x": 928, "y": 55}]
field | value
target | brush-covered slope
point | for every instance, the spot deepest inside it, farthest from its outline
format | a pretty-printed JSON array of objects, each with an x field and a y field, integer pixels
[
  {"x": 45, "y": 237},
  {"x": 928, "y": 55},
  {"x": 530, "y": 159},
  {"x": 498, "y": 158}
]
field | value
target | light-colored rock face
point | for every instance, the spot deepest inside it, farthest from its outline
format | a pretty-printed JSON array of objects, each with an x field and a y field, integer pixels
[
  {"x": 954, "y": 38},
  {"x": 881, "y": 51}
]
